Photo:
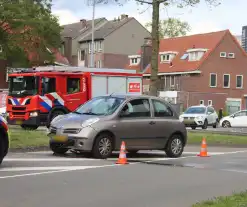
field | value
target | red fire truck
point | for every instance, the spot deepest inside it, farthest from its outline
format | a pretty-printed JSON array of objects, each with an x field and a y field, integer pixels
[{"x": 38, "y": 95}]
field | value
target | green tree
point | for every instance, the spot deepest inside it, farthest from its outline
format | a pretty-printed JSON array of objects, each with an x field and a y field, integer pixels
[
  {"x": 171, "y": 27},
  {"x": 155, "y": 5},
  {"x": 27, "y": 27}
]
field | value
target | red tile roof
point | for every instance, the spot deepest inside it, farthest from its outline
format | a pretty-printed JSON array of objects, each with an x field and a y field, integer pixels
[{"x": 207, "y": 41}]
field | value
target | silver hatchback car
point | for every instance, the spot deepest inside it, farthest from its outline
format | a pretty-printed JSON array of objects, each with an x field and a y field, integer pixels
[{"x": 101, "y": 124}]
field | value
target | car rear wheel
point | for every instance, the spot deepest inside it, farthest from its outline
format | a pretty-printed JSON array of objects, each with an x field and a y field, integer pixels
[
  {"x": 103, "y": 146},
  {"x": 175, "y": 146},
  {"x": 226, "y": 124},
  {"x": 58, "y": 148}
]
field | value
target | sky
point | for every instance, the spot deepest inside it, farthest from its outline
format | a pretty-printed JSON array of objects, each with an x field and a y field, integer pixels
[{"x": 202, "y": 18}]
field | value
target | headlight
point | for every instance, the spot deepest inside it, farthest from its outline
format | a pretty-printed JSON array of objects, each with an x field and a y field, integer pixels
[
  {"x": 89, "y": 122},
  {"x": 34, "y": 114},
  {"x": 199, "y": 117},
  {"x": 181, "y": 118}
]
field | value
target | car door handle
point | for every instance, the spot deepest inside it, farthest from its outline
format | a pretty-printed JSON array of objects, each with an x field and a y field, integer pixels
[{"x": 151, "y": 122}]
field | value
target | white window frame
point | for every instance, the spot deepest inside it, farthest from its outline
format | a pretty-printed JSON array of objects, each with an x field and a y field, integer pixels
[
  {"x": 210, "y": 102},
  {"x": 163, "y": 59},
  {"x": 80, "y": 55},
  {"x": 229, "y": 80},
  {"x": 201, "y": 102},
  {"x": 171, "y": 80},
  {"x": 215, "y": 80},
  {"x": 231, "y": 55},
  {"x": 242, "y": 81},
  {"x": 100, "y": 46},
  {"x": 89, "y": 47},
  {"x": 223, "y": 56},
  {"x": 134, "y": 62}
]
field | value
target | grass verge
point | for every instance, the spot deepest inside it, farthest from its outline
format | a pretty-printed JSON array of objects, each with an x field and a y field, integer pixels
[
  {"x": 217, "y": 139},
  {"x": 236, "y": 200},
  {"x": 20, "y": 138}
]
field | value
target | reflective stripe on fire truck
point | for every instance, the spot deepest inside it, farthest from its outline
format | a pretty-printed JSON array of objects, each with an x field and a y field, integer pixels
[
  {"x": 19, "y": 101},
  {"x": 51, "y": 100}
]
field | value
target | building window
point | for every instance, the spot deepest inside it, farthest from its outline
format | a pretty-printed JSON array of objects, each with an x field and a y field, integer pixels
[
  {"x": 213, "y": 80},
  {"x": 166, "y": 57},
  {"x": 223, "y": 54},
  {"x": 134, "y": 61},
  {"x": 172, "y": 80},
  {"x": 185, "y": 56},
  {"x": 210, "y": 102},
  {"x": 82, "y": 55},
  {"x": 195, "y": 56},
  {"x": 100, "y": 46},
  {"x": 231, "y": 55},
  {"x": 226, "y": 80},
  {"x": 239, "y": 81},
  {"x": 1, "y": 48},
  {"x": 201, "y": 102}
]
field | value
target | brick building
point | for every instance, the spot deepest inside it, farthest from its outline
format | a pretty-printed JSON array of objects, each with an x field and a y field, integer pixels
[{"x": 205, "y": 69}]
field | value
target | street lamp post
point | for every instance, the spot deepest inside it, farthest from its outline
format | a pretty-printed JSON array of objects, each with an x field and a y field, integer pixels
[{"x": 92, "y": 45}]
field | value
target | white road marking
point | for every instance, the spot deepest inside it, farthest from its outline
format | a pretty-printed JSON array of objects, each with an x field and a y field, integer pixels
[
  {"x": 46, "y": 159},
  {"x": 56, "y": 171}
]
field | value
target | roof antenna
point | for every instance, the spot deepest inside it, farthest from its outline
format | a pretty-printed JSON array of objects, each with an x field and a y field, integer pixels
[{"x": 117, "y": 89}]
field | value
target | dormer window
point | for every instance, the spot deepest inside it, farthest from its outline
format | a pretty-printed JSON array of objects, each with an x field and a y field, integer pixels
[
  {"x": 167, "y": 57},
  {"x": 196, "y": 54},
  {"x": 135, "y": 59}
]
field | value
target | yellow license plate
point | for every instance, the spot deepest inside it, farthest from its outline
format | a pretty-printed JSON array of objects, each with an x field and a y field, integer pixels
[
  {"x": 19, "y": 122},
  {"x": 59, "y": 138}
]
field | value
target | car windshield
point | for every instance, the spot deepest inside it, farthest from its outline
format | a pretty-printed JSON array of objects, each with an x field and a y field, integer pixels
[
  {"x": 100, "y": 106},
  {"x": 23, "y": 86},
  {"x": 195, "y": 110}
]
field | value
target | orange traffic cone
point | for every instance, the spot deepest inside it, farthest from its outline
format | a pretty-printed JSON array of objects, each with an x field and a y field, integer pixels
[
  {"x": 122, "y": 156},
  {"x": 203, "y": 152}
]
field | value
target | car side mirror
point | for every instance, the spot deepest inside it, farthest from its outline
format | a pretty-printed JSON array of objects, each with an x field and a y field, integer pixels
[
  {"x": 208, "y": 113},
  {"x": 233, "y": 116}
]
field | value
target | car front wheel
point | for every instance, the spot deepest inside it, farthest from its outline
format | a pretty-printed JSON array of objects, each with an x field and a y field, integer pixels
[
  {"x": 103, "y": 146},
  {"x": 175, "y": 146},
  {"x": 226, "y": 124}
]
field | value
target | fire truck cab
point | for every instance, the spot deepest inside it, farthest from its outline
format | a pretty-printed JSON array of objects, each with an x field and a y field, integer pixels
[{"x": 38, "y": 95}]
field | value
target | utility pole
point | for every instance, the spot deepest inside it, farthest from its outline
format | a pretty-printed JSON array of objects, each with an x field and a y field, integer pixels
[{"x": 92, "y": 44}]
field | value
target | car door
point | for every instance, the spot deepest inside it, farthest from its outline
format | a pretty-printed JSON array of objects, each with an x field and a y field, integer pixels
[
  {"x": 211, "y": 115},
  {"x": 165, "y": 123},
  {"x": 135, "y": 125}
]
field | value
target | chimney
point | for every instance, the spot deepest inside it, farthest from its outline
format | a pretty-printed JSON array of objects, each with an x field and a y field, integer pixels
[
  {"x": 123, "y": 16},
  {"x": 146, "y": 53},
  {"x": 83, "y": 23},
  {"x": 68, "y": 48}
]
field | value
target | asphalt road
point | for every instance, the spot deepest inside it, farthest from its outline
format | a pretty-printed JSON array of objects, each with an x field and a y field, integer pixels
[{"x": 150, "y": 180}]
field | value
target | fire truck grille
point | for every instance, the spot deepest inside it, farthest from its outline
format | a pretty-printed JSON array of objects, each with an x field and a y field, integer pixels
[
  {"x": 18, "y": 113},
  {"x": 18, "y": 108}
]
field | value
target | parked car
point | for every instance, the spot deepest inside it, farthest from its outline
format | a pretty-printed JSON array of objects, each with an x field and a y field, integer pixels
[
  {"x": 200, "y": 116},
  {"x": 237, "y": 119},
  {"x": 3, "y": 111},
  {"x": 4, "y": 139},
  {"x": 100, "y": 125}
]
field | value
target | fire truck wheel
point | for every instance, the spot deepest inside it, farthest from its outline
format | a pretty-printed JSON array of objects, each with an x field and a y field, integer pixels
[
  {"x": 57, "y": 149},
  {"x": 29, "y": 127}
]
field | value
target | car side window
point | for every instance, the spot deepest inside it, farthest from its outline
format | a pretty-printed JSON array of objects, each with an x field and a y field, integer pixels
[
  {"x": 241, "y": 113},
  {"x": 210, "y": 109},
  {"x": 161, "y": 109},
  {"x": 136, "y": 108},
  {"x": 48, "y": 85}
]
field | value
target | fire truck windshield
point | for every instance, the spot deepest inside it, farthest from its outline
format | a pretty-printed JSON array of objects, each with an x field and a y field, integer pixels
[{"x": 20, "y": 86}]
